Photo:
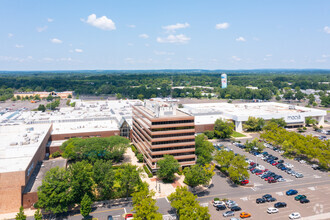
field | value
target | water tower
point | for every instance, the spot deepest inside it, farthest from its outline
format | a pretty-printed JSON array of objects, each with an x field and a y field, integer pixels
[{"x": 223, "y": 80}]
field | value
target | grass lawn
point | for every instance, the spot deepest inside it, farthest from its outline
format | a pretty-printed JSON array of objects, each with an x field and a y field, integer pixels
[
  {"x": 237, "y": 134},
  {"x": 328, "y": 111}
]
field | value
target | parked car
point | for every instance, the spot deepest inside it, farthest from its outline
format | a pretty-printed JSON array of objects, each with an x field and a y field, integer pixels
[
  {"x": 110, "y": 217},
  {"x": 245, "y": 215},
  {"x": 299, "y": 175},
  {"x": 288, "y": 165},
  {"x": 129, "y": 216},
  {"x": 291, "y": 192},
  {"x": 272, "y": 210},
  {"x": 280, "y": 205},
  {"x": 299, "y": 197},
  {"x": 218, "y": 202},
  {"x": 230, "y": 205},
  {"x": 220, "y": 207},
  {"x": 235, "y": 208},
  {"x": 302, "y": 161},
  {"x": 271, "y": 199},
  {"x": 228, "y": 213},
  {"x": 304, "y": 201},
  {"x": 229, "y": 201},
  {"x": 260, "y": 200},
  {"x": 272, "y": 180},
  {"x": 266, "y": 196},
  {"x": 315, "y": 166},
  {"x": 294, "y": 215},
  {"x": 244, "y": 182},
  {"x": 281, "y": 161}
]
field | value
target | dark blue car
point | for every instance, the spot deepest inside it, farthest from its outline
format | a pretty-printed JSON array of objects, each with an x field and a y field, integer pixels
[{"x": 291, "y": 192}]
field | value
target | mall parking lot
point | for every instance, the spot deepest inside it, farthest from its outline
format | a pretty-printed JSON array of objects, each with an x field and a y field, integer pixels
[{"x": 318, "y": 196}]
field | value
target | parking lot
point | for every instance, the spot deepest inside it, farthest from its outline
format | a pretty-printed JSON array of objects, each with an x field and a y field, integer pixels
[{"x": 318, "y": 196}]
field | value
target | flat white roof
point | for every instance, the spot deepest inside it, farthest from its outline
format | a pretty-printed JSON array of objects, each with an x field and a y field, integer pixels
[
  {"x": 86, "y": 126},
  {"x": 206, "y": 112},
  {"x": 19, "y": 144}
]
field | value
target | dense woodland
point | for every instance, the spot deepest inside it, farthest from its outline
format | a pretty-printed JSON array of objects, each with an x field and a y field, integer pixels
[{"x": 157, "y": 84}]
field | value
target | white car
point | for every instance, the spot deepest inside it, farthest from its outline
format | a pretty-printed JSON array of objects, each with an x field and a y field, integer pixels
[
  {"x": 294, "y": 215},
  {"x": 288, "y": 165},
  {"x": 272, "y": 210},
  {"x": 260, "y": 155},
  {"x": 302, "y": 161},
  {"x": 229, "y": 201},
  {"x": 218, "y": 202}
]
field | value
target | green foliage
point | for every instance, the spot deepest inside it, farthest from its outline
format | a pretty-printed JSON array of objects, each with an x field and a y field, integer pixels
[
  {"x": 49, "y": 98},
  {"x": 278, "y": 98},
  {"x": 68, "y": 102},
  {"x": 104, "y": 177},
  {"x": 186, "y": 205},
  {"x": 311, "y": 99},
  {"x": 254, "y": 124},
  {"x": 167, "y": 168},
  {"x": 310, "y": 121},
  {"x": 128, "y": 179},
  {"x": 53, "y": 105},
  {"x": 280, "y": 122},
  {"x": 223, "y": 128},
  {"x": 294, "y": 144},
  {"x": 81, "y": 180},
  {"x": 288, "y": 95},
  {"x": 146, "y": 169},
  {"x": 37, "y": 215},
  {"x": 55, "y": 154},
  {"x": 209, "y": 134},
  {"x": 20, "y": 215},
  {"x": 41, "y": 108},
  {"x": 86, "y": 206},
  {"x": 53, "y": 194},
  {"x": 69, "y": 96},
  {"x": 145, "y": 206},
  {"x": 325, "y": 100},
  {"x": 140, "y": 157},
  {"x": 299, "y": 95},
  {"x": 92, "y": 149},
  {"x": 234, "y": 166},
  {"x": 73, "y": 104},
  {"x": 237, "y": 134},
  {"x": 198, "y": 175},
  {"x": 203, "y": 149}
]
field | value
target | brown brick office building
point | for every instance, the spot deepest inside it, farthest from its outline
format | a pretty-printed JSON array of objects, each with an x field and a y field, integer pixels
[{"x": 159, "y": 129}]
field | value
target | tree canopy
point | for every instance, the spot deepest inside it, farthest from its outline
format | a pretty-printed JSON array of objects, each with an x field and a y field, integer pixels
[
  {"x": 254, "y": 124},
  {"x": 198, "y": 175},
  {"x": 167, "y": 168},
  {"x": 203, "y": 149},
  {"x": 223, "y": 128}
]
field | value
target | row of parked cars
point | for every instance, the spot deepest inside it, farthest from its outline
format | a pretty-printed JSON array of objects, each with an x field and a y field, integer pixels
[{"x": 232, "y": 207}]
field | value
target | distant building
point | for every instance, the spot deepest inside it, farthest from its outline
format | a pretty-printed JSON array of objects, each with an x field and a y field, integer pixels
[
  {"x": 160, "y": 128},
  {"x": 223, "y": 80},
  {"x": 62, "y": 95},
  {"x": 252, "y": 87}
]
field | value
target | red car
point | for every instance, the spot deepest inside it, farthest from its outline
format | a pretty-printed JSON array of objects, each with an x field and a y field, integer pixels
[
  {"x": 274, "y": 164},
  {"x": 259, "y": 173},
  {"x": 269, "y": 178},
  {"x": 244, "y": 182},
  {"x": 265, "y": 170},
  {"x": 129, "y": 216},
  {"x": 252, "y": 163},
  {"x": 272, "y": 180},
  {"x": 252, "y": 169}
]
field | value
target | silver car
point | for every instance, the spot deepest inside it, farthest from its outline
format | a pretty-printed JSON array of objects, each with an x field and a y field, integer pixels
[{"x": 228, "y": 213}]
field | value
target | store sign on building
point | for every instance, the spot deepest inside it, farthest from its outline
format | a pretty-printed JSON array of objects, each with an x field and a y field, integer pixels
[{"x": 294, "y": 118}]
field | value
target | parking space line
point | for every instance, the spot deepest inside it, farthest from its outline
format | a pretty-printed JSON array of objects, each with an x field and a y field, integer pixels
[
  {"x": 125, "y": 210},
  {"x": 107, "y": 210}
]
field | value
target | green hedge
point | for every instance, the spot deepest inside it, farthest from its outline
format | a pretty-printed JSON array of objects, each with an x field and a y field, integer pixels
[{"x": 147, "y": 171}]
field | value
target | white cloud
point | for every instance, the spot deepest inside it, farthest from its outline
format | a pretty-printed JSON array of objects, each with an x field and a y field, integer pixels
[
  {"x": 269, "y": 55},
  {"x": 174, "y": 27},
  {"x": 180, "y": 39},
  {"x": 326, "y": 29},
  {"x": 224, "y": 25},
  {"x": 144, "y": 36},
  {"x": 130, "y": 44},
  {"x": 321, "y": 60},
  {"x": 325, "y": 55},
  {"x": 160, "y": 53},
  {"x": 47, "y": 59},
  {"x": 241, "y": 39},
  {"x": 16, "y": 59},
  {"x": 10, "y": 35},
  {"x": 147, "y": 45},
  {"x": 103, "y": 22},
  {"x": 190, "y": 59},
  {"x": 50, "y": 20},
  {"x": 19, "y": 46},
  {"x": 236, "y": 58},
  {"x": 131, "y": 26},
  {"x": 79, "y": 50},
  {"x": 41, "y": 29},
  {"x": 55, "y": 41}
]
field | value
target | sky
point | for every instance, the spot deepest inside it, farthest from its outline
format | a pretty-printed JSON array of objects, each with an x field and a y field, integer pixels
[{"x": 158, "y": 34}]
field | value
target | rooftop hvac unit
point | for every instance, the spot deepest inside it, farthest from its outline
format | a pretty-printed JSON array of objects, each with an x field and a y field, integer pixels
[{"x": 13, "y": 143}]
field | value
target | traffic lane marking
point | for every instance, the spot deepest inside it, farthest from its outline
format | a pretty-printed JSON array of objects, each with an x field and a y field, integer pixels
[{"x": 107, "y": 210}]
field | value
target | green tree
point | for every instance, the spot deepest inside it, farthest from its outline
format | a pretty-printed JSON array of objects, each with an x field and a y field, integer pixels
[
  {"x": 278, "y": 98},
  {"x": 203, "y": 149},
  {"x": 139, "y": 157},
  {"x": 37, "y": 97},
  {"x": 20, "y": 215},
  {"x": 41, "y": 108},
  {"x": 254, "y": 124},
  {"x": 129, "y": 178},
  {"x": 69, "y": 96},
  {"x": 167, "y": 168},
  {"x": 104, "y": 177},
  {"x": 299, "y": 95},
  {"x": 186, "y": 205},
  {"x": 54, "y": 191},
  {"x": 86, "y": 206},
  {"x": 81, "y": 180},
  {"x": 119, "y": 96},
  {"x": 37, "y": 215},
  {"x": 280, "y": 122},
  {"x": 325, "y": 100},
  {"x": 311, "y": 99},
  {"x": 310, "y": 121},
  {"x": 49, "y": 98},
  {"x": 238, "y": 169},
  {"x": 140, "y": 96},
  {"x": 224, "y": 159},
  {"x": 288, "y": 95},
  {"x": 68, "y": 102},
  {"x": 198, "y": 175},
  {"x": 223, "y": 128},
  {"x": 145, "y": 206}
]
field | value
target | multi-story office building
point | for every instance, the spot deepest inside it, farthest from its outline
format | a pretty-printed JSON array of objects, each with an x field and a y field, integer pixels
[{"x": 160, "y": 128}]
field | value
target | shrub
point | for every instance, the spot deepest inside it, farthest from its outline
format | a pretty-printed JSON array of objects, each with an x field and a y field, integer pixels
[
  {"x": 56, "y": 154},
  {"x": 304, "y": 128},
  {"x": 216, "y": 199},
  {"x": 209, "y": 134},
  {"x": 140, "y": 157},
  {"x": 147, "y": 171}
]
